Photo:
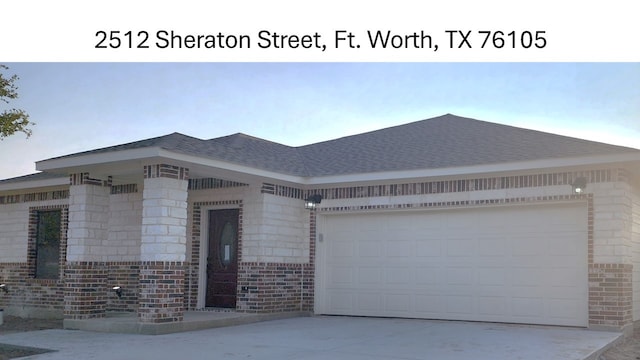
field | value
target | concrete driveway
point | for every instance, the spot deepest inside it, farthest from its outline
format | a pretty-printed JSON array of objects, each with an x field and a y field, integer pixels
[{"x": 328, "y": 337}]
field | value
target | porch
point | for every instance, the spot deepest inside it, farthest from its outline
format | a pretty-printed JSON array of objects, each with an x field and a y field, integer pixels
[{"x": 128, "y": 322}]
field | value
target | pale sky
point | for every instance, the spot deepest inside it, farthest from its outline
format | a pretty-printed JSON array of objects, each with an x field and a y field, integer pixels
[{"x": 83, "y": 106}]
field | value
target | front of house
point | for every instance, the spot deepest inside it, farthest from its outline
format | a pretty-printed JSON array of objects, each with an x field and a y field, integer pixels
[{"x": 445, "y": 218}]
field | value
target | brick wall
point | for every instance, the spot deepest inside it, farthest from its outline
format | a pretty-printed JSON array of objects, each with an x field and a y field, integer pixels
[
  {"x": 85, "y": 290},
  {"x": 272, "y": 287},
  {"x": 161, "y": 296},
  {"x": 28, "y": 297},
  {"x": 610, "y": 295},
  {"x": 635, "y": 250},
  {"x": 125, "y": 274}
]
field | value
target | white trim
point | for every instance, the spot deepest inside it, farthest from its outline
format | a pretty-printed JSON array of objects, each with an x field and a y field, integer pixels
[
  {"x": 247, "y": 172},
  {"x": 28, "y": 184},
  {"x": 99, "y": 158},
  {"x": 204, "y": 250}
]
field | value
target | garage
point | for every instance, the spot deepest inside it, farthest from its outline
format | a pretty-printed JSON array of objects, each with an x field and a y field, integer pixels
[{"x": 511, "y": 263}]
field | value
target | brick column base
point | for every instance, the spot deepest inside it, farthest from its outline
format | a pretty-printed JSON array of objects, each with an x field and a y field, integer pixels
[
  {"x": 85, "y": 290},
  {"x": 161, "y": 298},
  {"x": 610, "y": 295}
]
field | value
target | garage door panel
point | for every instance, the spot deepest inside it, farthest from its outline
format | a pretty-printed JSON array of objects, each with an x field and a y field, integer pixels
[
  {"x": 341, "y": 301},
  {"x": 369, "y": 276},
  {"x": 399, "y": 276},
  {"x": 562, "y": 309},
  {"x": 428, "y": 248},
  {"x": 428, "y": 276},
  {"x": 343, "y": 249},
  {"x": 430, "y": 306},
  {"x": 398, "y": 248},
  {"x": 527, "y": 307},
  {"x": 494, "y": 306},
  {"x": 564, "y": 277},
  {"x": 370, "y": 249},
  {"x": 341, "y": 276},
  {"x": 460, "y": 275},
  {"x": 460, "y": 305},
  {"x": 369, "y": 303},
  {"x": 523, "y": 264},
  {"x": 461, "y": 247},
  {"x": 527, "y": 276},
  {"x": 487, "y": 276},
  {"x": 527, "y": 246},
  {"x": 399, "y": 303},
  {"x": 492, "y": 247}
]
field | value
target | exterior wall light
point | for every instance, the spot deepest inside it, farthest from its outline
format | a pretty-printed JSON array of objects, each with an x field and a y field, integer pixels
[
  {"x": 579, "y": 185},
  {"x": 312, "y": 201},
  {"x": 117, "y": 290},
  {"x": 4, "y": 289}
]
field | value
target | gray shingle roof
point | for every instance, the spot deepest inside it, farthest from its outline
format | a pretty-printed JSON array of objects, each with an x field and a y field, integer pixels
[
  {"x": 33, "y": 177},
  {"x": 444, "y": 141}
]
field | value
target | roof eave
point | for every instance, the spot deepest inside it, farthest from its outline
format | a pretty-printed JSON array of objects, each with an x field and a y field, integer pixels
[
  {"x": 154, "y": 154},
  {"x": 244, "y": 172},
  {"x": 30, "y": 184},
  {"x": 522, "y": 166},
  {"x": 71, "y": 162}
]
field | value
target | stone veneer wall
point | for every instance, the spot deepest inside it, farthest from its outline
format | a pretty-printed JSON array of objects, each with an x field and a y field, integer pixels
[
  {"x": 613, "y": 235},
  {"x": 611, "y": 265},
  {"x": 85, "y": 277},
  {"x": 275, "y": 273},
  {"x": 28, "y": 296},
  {"x": 31, "y": 297},
  {"x": 163, "y": 244}
]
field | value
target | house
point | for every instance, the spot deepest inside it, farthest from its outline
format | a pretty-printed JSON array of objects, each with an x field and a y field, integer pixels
[{"x": 444, "y": 218}]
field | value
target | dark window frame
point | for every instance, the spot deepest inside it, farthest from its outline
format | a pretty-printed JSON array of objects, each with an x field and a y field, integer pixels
[{"x": 32, "y": 257}]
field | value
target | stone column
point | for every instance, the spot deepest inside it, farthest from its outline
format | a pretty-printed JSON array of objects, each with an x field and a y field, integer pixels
[
  {"x": 611, "y": 268},
  {"x": 163, "y": 247},
  {"x": 85, "y": 290}
]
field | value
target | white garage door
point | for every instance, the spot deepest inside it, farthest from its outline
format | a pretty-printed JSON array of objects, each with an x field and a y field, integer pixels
[{"x": 520, "y": 264}]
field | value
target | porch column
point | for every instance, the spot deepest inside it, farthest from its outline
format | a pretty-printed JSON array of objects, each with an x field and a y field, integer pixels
[
  {"x": 85, "y": 290},
  {"x": 163, "y": 247}
]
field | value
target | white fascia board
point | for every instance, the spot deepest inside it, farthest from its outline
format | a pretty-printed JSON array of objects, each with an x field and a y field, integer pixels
[
  {"x": 475, "y": 169},
  {"x": 29, "y": 184},
  {"x": 159, "y": 154},
  {"x": 96, "y": 159},
  {"x": 243, "y": 169}
]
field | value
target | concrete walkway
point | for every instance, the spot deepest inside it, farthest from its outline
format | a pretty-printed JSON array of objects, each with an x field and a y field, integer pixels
[{"x": 325, "y": 337}]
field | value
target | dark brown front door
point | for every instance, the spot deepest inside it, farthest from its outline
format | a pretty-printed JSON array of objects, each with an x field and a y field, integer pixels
[{"x": 222, "y": 262}]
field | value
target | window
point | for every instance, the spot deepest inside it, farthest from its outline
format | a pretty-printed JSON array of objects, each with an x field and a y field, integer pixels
[{"x": 47, "y": 244}]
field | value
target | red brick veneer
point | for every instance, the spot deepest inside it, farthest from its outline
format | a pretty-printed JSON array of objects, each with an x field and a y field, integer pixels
[
  {"x": 161, "y": 296},
  {"x": 85, "y": 290}
]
